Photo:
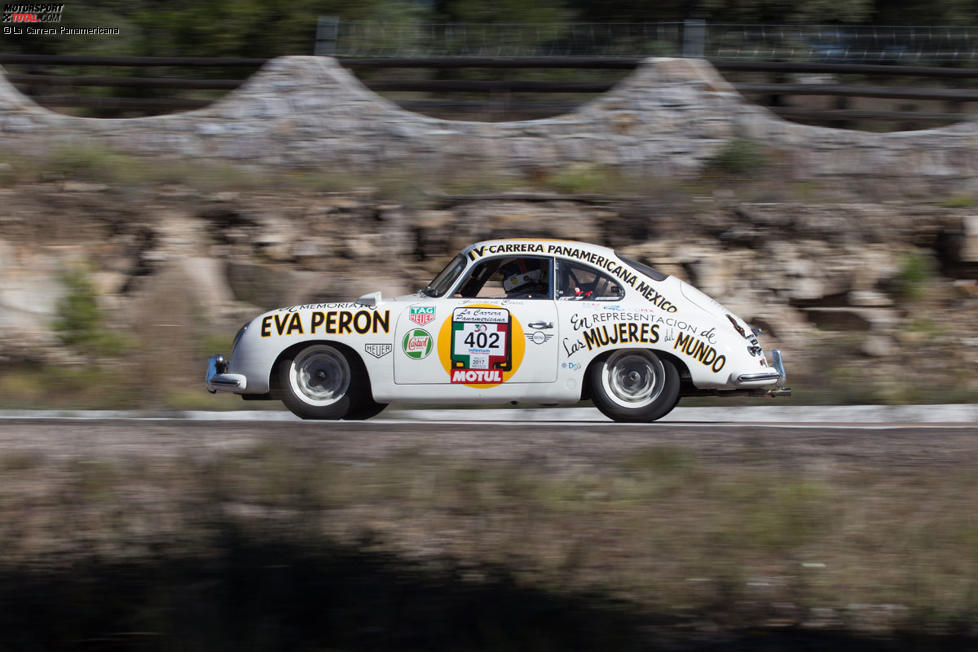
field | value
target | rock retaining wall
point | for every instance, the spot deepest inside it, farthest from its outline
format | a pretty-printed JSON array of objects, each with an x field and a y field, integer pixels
[
  {"x": 666, "y": 118},
  {"x": 829, "y": 284}
]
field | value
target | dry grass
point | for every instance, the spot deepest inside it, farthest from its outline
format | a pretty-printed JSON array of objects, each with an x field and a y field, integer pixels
[
  {"x": 95, "y": 164},
  {"x": 707, "y": 544}
]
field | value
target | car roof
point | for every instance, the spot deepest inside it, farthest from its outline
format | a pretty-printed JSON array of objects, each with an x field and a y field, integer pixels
[{"x": 548, "y": 246}]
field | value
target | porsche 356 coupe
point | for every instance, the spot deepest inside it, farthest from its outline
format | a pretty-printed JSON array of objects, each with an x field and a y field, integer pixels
[{"x": 527, "y": 322}]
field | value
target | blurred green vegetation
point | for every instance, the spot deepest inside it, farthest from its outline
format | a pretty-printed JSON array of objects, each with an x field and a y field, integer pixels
[
  {"x": 94, "y": 163},
  {"x": 269, "y": 28},
  {"x": 916, "y": 270},
  {"x": 586, "y": 178},
  {"x": 222, "y": 28},
  {"x": 86, "y": 162},
  {"x": 79, "y": 322},
  {"x": 67, "y": 387},
  {"x": 79, "y": 318},
  {"x": 739, "y": 157},
  {"x": 959, "y": 201}
]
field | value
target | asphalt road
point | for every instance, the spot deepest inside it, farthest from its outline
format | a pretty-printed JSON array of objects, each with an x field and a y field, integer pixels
[
  {"x": 549, "y": 445},
  {"x": 545, "y": 447}
]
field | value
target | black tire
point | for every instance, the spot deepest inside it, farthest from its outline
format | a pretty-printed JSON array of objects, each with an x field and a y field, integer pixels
[
  {"x": 321, "y": 381},
  {"x": 634, "y": 385},
  {"x": 363, "y": 406},
  {"x": 367, "y": 408}
]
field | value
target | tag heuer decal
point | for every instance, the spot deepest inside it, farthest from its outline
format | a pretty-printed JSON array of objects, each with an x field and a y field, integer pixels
[
  {"x": 422, "y": 315},
  {"x": 378, "y": 350}
]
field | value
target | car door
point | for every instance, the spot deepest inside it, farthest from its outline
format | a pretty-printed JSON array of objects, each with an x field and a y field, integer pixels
[{"x": 484, "y": 341}]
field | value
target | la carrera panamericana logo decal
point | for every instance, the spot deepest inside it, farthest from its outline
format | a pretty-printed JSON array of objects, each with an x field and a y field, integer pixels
[
  {"x": 481, "y": 346},
  {"x": 422, "y": 315}
]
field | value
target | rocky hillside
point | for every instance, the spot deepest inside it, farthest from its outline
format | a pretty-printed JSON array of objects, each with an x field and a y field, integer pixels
[{"x": 112, "y": 296}]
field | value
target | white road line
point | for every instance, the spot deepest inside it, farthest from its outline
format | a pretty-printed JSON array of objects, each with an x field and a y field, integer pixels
[
  {"x": 683, "y": 424},
  {"x": 373, "y": 423},
  {"x": 782, "y": 416}
]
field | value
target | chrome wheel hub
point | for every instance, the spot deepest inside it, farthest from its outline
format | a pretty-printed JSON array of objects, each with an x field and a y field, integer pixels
[
  {"x": 633, "y": 379},
  {"x": 320, "y": 375}
]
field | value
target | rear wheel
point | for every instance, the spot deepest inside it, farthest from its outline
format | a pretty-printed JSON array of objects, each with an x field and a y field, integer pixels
[
  {"x": 634, "y": 385},
  {"x": 321, "y": 381}
]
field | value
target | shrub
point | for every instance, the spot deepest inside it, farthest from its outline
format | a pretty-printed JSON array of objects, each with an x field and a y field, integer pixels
[
  {"x": 78, "y": 321},
  {"x": 78, "y": 314},
  {"x": 739, "y": 157},
  {"x": 959, "y": 201},
  {"x": 916, "y": 269},
  {"x": 585, "y": 178},
  {"x": 87, "y": 162}
]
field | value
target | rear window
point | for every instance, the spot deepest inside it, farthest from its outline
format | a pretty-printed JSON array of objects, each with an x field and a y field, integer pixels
[{"x": 653, "y": 274}]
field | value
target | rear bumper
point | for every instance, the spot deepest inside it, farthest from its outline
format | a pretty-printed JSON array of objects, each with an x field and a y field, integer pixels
[
  {"x": 218, "y": 380},
  {"x": 776, "y": 375}
]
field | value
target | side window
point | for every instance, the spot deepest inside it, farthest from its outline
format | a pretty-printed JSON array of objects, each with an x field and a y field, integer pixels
[
  {"x": 521, "y": 277},
  {"x": 576, "y": 282}
]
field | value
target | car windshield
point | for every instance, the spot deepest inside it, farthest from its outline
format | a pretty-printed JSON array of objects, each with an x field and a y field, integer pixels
[{"x": 445, "y": 278}]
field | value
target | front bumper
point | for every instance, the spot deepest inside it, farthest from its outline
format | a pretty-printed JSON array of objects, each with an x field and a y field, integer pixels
[{"x": 218, "y": 380}]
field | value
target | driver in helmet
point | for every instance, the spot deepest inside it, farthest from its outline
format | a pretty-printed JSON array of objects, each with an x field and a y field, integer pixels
[{"x": 525, "y": 278}]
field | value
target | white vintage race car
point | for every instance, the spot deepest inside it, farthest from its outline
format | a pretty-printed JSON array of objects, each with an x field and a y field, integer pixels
[{"x": 528, "y": 322}]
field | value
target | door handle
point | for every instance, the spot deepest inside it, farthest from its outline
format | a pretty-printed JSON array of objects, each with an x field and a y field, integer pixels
[{"x": 541, "y": 325}]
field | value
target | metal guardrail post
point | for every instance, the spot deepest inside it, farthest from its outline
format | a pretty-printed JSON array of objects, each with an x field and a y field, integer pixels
[
  {"x": 694, "y": 38},
  {"x": 327, "y": 29}
]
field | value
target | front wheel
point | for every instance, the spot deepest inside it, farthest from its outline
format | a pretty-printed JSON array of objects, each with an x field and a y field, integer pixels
[
  {"x": 634, "y": 385},
  {"x": 318, "y": 382},
  {"x": 367, "y": 408}
]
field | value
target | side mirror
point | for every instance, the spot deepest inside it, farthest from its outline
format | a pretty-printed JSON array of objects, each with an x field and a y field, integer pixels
[{"x": 370, "y": 300}]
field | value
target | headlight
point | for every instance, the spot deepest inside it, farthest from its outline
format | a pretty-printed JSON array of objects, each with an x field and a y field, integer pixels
[{"x": 237, "y": 337}]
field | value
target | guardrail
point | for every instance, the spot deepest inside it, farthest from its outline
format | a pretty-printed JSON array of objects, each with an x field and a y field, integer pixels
[{"x": 501, "y": 98}]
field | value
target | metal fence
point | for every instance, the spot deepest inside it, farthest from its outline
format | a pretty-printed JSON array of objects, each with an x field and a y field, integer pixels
[
  {"x": 404, "y": 39},
  {"x": 840, "y": 94},
  {"x": 799, "y": 43},
  {"x": 834, "y": 44}
]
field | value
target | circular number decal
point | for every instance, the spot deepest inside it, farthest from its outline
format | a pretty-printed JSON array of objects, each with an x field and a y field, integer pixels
[{"x": 481, "y": 345}]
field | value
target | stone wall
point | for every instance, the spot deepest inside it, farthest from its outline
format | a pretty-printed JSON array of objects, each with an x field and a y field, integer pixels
[{"x": 666, "y": 118}]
